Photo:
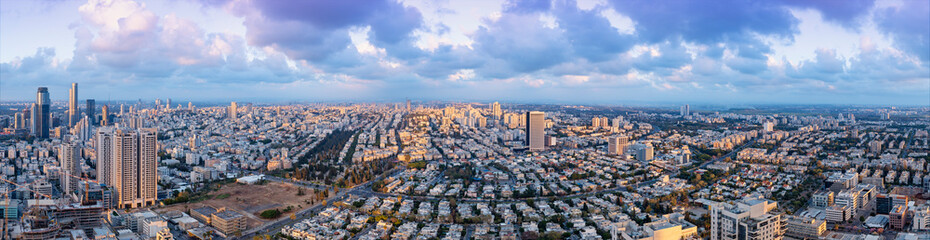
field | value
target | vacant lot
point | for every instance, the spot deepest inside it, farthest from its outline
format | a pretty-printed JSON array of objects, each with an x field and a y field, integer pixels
[{"x": 251, "y": 200}]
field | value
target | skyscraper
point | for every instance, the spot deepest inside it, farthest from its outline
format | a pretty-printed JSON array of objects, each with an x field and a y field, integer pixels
[
  {"x": 69, "y": 156},
  {"x": 19, "y": 120},
  {"x": 41, "y": 118},
  {"x": 496, "y": 110},
  {"x": 105, "y": 118},
  {"x": 232, "y": 111},
  {"x": 104, "y": 150},
  {"x": 408, "y": 104},
  {"x": 91, "y": 111},
  {"x": 73, "y": 111},
  {"x": 536, "y": 130},
  {"x": 133, "y": 166},
  {"x": 685, "y": 110}
]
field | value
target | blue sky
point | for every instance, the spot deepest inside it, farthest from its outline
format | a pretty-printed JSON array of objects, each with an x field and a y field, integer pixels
[{"x": 585, "y": 51}]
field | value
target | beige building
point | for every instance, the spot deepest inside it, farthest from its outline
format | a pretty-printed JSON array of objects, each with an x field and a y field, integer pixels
[
  {"x": 228, "y": 222},
  {"x": 805, "y": 228},
  {"x": 752, "y": 218}
]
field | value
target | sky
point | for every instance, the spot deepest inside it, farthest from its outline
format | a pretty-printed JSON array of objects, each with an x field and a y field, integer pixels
[{"x": 535, "y": 51}]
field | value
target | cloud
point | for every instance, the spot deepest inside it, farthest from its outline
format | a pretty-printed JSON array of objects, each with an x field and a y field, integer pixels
[
  {"x": 706, "y": 21},
  {"x": 843, "y": 12},
  {"x": 909, "y": 25},
  {"x": 522, "y": 44},
  {"x": 367, "y": 49}
]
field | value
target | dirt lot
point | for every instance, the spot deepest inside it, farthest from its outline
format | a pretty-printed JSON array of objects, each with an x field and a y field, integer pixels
[{"x": 250, "y": 200}]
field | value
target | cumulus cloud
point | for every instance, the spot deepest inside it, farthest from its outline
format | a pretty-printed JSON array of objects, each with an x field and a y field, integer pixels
[{"x": 379, "y": 47}]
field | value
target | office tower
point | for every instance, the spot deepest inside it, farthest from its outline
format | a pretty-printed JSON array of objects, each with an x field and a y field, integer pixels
[
  {"x": 69, "y": 156},
  {"x": 168, "y": 104},
  {"x": 752, "y": 218},
  {"x": 190, "y": 106},
  {"x": 616, "y": 145},
  {"x": 232, "y": 111},
  {"x": 496, "y": 110},
  {"x": 685, "y": 110},
  {"x": 105, "y": 118},
  {"x": 19, "y": 120},
  {"x": 121, "y": 112},
  {"x": 104, "y": 149},
  {"x": 33, "y": 108},
  {"x": 133, "y": 166},
  {"x": 408, "y": 104},
  {"x": 73, "y": 111},
  {"x": 41, "y": 116},
  {"x": 91, "y": 114},
  {"x": 157, "y": 103},
  {"x": 535, "y": 130}
]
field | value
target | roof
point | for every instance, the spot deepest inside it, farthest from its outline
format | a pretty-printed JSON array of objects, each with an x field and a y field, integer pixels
[
  {"x": 206, "y": 210},
  {"x": 228, "y": 215}
]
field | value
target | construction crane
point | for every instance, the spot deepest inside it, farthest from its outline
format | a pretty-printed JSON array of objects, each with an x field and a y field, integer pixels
[{"x": 27, "y": 188}]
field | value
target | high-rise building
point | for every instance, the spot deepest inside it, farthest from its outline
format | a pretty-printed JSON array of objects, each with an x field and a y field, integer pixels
[
  {"x": 645, "y": 152},
  {"x": 232, "y": 111},
  {"x": 104, "y": 154},
  {"x": 83, "y": 130},
  {"x": 133, "y": 166},
  {"x": 752, "y": 218},
  {"x": 41, "y": 116},
  {"x": 496, "y": 110},
  {"x": 616, "y": 145},
  {"x": 190, "y": 106},
  {"x": 595, "y": 123},
  {"x": 73, "y": 109},
  {"x": 168, "y": 104},
  {"x": 536, "y": 130},
  {"x": 19, "y": 120},
  {"x": 615, "y": 123},
  {"x": 408, "y": 104},
  {"x": 69, "y": 156},
  {"x": 91, "y": 111},
  {"x": 105, "y": 115},
  {"x": 685, "y": 110}
]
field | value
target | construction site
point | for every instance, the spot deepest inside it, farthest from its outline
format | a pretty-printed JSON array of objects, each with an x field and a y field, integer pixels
[{"x": 251, "y": 200}]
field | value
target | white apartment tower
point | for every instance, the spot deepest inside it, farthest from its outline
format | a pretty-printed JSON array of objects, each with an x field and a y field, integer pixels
[
  {"x": 536, "y": 130},
  {"x": 104, "y": 149},
  {"x": 69, "y": 156}
]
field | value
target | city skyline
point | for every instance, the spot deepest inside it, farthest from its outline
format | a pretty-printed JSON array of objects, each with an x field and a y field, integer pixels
[{"x": 597, "y": 52}]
